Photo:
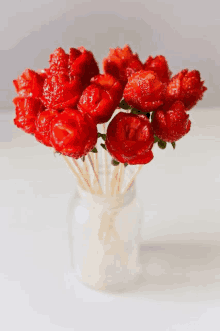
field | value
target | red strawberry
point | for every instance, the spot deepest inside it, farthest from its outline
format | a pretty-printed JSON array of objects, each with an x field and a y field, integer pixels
[
  {"x": 160, "y": 66},
  {"x": 59, "y": 62},
  {"x": 144, "y": 91},
  {"x": 43, "y": 121},
  {"x": 122, "y": 63},
  {"x": 73, "y": 133},
  {"x": 43, "y": 73},
  {"x": 171, "y": 125},
  {"x": 82, "y": 64},
  {"x": 27, "y": 110},
  {"x": 59, "y": 92},
  {"x": 187, "y": 87},
  {"x": 29, "y": 83},
  {"x": 101, "y": 98},
  {"x": 130, "y": 138}
]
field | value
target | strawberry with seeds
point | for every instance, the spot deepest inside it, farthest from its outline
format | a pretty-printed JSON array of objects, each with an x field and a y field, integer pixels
[
  {"x": 60, "y": 92},
  {"x": 187, "y": 87},
  {"x": 172, "y": 124},
  {"x": 82, "y": 64},
  {"x": 29, "y": 83},
  {"x": 27, "y": 110},
  {"x": 160, "y": 66},
  {"x": 144, "y": 91},
  {"x": 130, "y": 138},
  {"x": 101, "y": 97},
  {"x": 122, "y": 63},
  {"x": 73, "y": 133},
  {"x": 43, "y": 121}
]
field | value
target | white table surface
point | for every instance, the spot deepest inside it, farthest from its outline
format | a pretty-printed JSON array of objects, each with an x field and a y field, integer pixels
[{"x": 180, "y": 287}]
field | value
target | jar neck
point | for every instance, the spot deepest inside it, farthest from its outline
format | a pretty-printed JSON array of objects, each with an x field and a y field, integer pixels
[{"x": 112, "y": 201}]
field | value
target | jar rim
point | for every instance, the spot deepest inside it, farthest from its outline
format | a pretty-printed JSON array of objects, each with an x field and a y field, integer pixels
[{"x": 125, "y": 198}]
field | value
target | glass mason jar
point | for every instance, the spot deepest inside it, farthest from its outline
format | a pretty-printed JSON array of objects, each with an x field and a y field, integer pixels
[{"x": 104, "y": 238}]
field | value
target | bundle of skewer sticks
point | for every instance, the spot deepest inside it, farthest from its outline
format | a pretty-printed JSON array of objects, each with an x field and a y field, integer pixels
[{"x": 98, "y": 176}]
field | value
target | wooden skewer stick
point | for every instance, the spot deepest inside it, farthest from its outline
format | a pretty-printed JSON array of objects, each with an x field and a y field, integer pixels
[
  {"x": 133, "y": 178},
  {"x": 74, "y": 171},
  {"x": 97, "y": 170},
  {"x": 117, "y": 180},
  {"x": 114, "y": 179},
  {"x": 121, "y": 178},
  {"x": 96, "y": 163},
  {"x": 96, "y": 176},
  {"x": 105, "y": 162},
  {"x": 106, "y": 173},
  {"x": 89, "y": 188},
  {"x": 93, "y": 179},
  {"x": 86, "y": 171}
]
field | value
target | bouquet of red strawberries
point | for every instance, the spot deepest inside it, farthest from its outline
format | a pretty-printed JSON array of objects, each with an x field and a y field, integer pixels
[{"x": 63, "y": 104}]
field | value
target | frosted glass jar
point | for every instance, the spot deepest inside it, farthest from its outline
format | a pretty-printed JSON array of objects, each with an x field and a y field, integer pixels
[{"x": 105, "y": 237}]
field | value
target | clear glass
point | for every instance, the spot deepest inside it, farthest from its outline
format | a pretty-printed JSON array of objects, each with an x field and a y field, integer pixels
[{"x": 104, "y": 238}]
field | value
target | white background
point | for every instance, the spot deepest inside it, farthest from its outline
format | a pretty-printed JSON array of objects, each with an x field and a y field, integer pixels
[
  {"x": 186, "y": 32},
  {"x": 180, "y": 189}
]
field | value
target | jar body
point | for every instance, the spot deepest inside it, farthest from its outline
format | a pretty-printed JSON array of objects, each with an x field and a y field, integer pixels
[{"x": 105, "y": 237}]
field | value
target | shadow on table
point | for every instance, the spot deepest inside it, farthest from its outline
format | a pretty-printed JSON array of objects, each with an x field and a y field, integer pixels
[{"x": 178, "y": 271}]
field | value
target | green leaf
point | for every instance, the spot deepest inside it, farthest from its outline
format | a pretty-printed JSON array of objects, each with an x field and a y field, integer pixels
[
  {"x": 156, "y": 139},
  {"x": 83, "y": 158},
  {"x": 125, "y": 164},
  {"x": 173, "y": 144},
  {"x": 152, "y": 115},
  {"x": 103, "y": 146},
  {"x": 135, "y": 111},
  {"x": 140, "y": 112},
  {"x": 162, "y": 144},
  {"x": 94, "y": 150},
  {"x": 102, "y": 135},
  {"x": 114, "y": 162},
  {"x": 123, "y": 104}
]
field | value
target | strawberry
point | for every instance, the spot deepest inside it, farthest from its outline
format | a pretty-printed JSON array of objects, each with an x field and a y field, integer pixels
[
  {"x": 29, "y": 84},
  {"x": 101, "y": 97},
  {"x": 27, "y": 110},
  {"x": 171, "y": 125},
  {"x": 73, "y": 133},
  {"x": 82, "y": 64},
  {"x": 130, "y": 138},
  {"x": 144, "y": 91},
  {"x": 187, "y": 87},
  {"x": 42, "y": 132},
  {"x": 43, "y": 73},
  {"x": 60, "y": 92},
  {"x": 122, "y": 63},
  {"x": 58, "y": 62},
  {"x": 159, "y": 66}
]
